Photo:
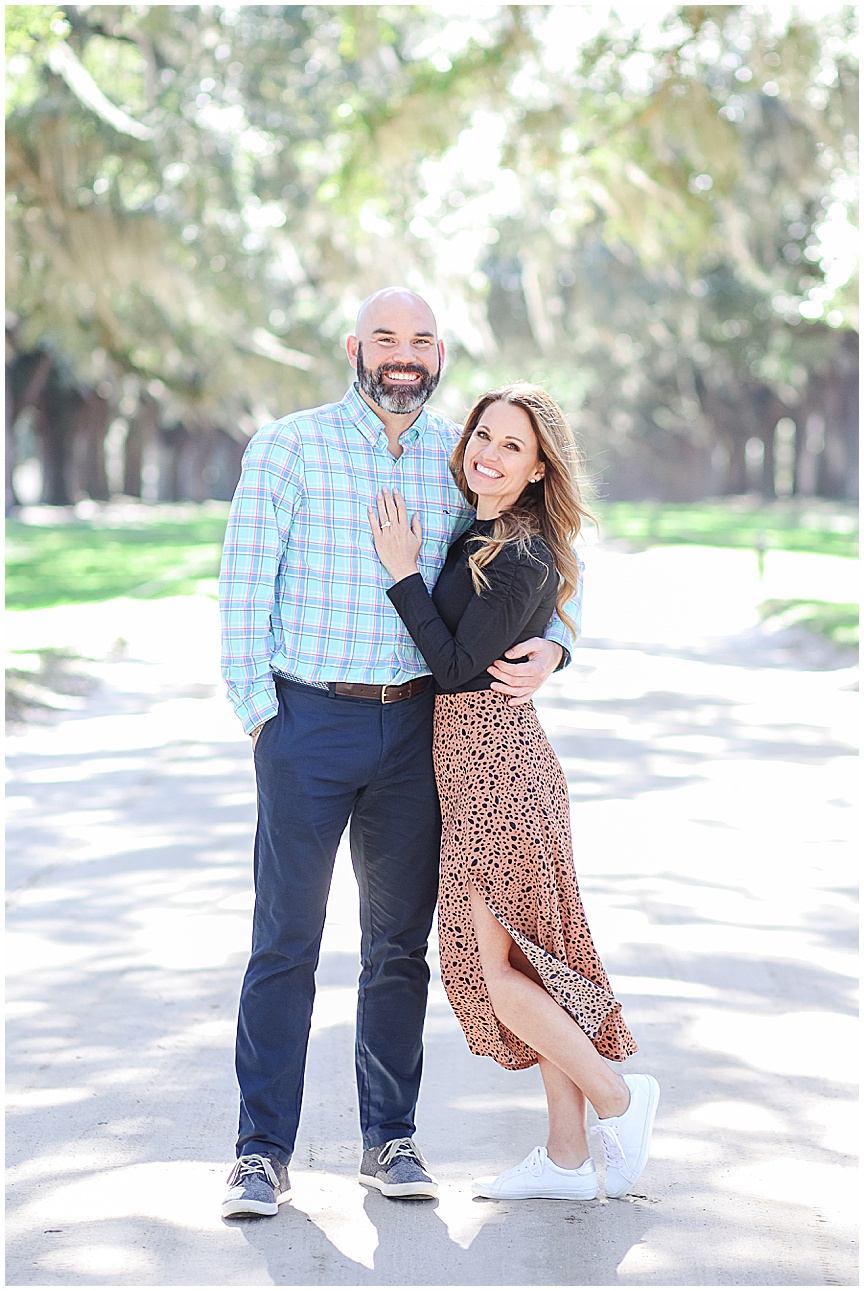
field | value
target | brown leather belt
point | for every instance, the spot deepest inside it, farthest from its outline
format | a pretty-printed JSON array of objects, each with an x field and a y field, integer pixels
[{"x": 388, "y": 694}]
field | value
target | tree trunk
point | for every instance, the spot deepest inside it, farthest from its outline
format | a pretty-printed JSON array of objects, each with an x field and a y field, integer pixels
[
  {"x": 12, "y": 502},
  {"x": 837, "y": 475},
  {"x": 26, "y": 377},
  {"x": 737, "y": 475},
  {"x": 195, "y": 464},
  {"x": 172, "y": 443},
  {"x": 55, "y": 422},
  {"x": 91, "y": 426},
  {"x": 225, "y": 466},
  {"x": 809, "y": 442},
  {"x": 143, "y": 428},
  {"x": 132, "y": 454},
  {"x": 763, "y": 412},
  {"x": 28, "y": 374},
  {"x": 769, "y": 465},
  {"x": 827, "y": 442}
]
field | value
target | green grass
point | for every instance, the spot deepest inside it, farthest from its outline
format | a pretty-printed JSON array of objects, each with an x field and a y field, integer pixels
[
  {"x": 810, "y": 524},
  {"x": 79, "y": 561},
  {"x": 173, "y": 549},
  {"x": 835, "y": 620}
]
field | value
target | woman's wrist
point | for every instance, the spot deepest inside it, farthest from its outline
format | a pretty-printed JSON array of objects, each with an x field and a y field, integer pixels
[{"x": 405, "y": 572}]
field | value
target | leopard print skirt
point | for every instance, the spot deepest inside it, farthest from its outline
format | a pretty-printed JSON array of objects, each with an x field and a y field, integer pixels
[{"x": 506, "y": 828}]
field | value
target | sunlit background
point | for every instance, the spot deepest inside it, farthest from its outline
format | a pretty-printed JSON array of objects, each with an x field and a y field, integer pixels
[{"x": 649, "y": 208}]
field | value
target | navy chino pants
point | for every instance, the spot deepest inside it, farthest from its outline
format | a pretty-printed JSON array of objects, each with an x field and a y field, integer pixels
[{"x": 321, "y": 761}]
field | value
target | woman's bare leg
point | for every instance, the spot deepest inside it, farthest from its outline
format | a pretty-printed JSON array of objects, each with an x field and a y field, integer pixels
[
  {"x": 567, "y": 1141},
  {"x": 529, "y": 1012}
]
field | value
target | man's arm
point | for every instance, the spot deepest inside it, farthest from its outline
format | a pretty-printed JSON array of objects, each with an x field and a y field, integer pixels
[
  {"x": 546, "y": 654},
  {"x": 258, "y": 526}
]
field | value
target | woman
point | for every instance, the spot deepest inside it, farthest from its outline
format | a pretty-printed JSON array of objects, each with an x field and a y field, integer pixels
[{"x": 517, "y": 958}]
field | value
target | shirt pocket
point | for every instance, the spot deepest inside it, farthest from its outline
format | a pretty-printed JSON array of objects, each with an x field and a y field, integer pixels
[{"x": 439, "y": 530}]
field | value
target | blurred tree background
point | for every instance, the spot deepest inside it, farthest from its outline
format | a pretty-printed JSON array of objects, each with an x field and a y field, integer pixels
[{"x": 653, "y": 216}]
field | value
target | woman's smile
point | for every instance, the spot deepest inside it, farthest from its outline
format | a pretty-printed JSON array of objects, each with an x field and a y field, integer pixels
[
  {"x": 487, "y": 471},
  {"x": 501, "y": 458}
]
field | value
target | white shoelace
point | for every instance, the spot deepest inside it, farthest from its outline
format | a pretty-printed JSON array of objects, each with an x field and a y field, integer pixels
[
  {"x": 611, "y": 1145},
  {"x": 401, "y": 1148},
  {"x": 250, "y": 1165},
  {"x": 533, "y": 1164}
]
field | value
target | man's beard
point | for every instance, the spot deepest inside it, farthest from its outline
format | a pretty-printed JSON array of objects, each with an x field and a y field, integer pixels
[{"x": 394, "y": 398}]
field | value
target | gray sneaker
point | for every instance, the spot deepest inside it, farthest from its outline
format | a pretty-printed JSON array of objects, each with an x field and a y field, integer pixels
[
  {"x": 398, "y": 1169},
  {"x": 257, "y": 1184}
]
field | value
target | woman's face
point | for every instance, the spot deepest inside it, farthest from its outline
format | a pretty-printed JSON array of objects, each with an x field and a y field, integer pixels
[{"x": 500, "y": 458}]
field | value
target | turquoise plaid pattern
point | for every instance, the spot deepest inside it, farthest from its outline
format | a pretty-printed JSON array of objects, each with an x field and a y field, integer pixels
[{"x": 301, "y": 590}]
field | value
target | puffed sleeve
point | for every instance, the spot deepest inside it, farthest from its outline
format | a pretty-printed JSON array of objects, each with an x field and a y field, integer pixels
[{"x": 492, "y": 621}]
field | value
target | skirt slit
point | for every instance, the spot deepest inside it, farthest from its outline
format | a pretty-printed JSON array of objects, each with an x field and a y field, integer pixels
[{"x": 505, "y": 811}]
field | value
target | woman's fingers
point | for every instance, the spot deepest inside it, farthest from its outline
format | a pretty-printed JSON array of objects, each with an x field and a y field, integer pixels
[
  {"x": 384, "y": 516},
  {"x": 392, "y": 512},
  {"x": 373, "y": 520}
]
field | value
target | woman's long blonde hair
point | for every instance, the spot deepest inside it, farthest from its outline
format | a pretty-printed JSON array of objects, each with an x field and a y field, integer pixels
[{"x": 553, "y": 507}]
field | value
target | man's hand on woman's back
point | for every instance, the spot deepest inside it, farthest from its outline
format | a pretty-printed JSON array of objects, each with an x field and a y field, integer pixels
[{"x": 521, "y": 680}]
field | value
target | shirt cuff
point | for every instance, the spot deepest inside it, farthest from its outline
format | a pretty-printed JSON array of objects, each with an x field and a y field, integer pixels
[
  {"x": 257, "y": 708},
  {"x": 560, "y": 635}
]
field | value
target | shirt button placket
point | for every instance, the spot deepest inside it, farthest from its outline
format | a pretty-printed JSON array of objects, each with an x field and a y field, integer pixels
[{"x": 400, "y": 662}]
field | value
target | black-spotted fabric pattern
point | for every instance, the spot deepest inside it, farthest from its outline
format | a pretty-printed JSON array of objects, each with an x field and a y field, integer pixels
[{"x": 506, "y": 829}]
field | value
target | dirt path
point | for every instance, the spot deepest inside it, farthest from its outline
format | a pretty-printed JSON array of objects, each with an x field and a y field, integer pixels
[{"x": 710, "y": 769}]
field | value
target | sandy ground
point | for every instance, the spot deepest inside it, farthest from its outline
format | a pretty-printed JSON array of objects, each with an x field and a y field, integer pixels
[{"x": 710, "y": 768}]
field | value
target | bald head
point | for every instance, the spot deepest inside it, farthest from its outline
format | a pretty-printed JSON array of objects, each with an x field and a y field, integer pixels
[
  {"x": 390, "y": 304},
  {"x": 396, "y": 352}
]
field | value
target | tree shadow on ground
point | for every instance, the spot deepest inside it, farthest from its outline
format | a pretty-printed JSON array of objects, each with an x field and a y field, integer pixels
[{"x": 129, "y": 929}]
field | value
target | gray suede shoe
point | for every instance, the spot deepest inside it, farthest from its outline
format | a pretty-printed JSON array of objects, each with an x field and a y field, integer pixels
[
  {"x": 257, "y": 1184},
  {"x": 397, "y": 1169}
]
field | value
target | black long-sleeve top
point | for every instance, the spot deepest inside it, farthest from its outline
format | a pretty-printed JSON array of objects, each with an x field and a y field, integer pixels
[{"x": 460, "y": 632}]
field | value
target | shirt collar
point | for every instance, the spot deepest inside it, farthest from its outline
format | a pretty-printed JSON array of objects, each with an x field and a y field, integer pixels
[{"x": 371, "y": 426}]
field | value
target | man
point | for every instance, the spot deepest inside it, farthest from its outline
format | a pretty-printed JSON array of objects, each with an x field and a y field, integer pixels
[{"x": 338, "y": 702}]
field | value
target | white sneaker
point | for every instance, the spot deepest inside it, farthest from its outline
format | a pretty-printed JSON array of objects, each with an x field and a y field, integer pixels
[
  {"x": 537, "y": 1176},
  {"x": 627, "y": 1138}
]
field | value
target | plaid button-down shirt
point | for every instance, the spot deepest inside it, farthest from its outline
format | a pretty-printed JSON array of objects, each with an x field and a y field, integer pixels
[{"x": 301, "y": 590}]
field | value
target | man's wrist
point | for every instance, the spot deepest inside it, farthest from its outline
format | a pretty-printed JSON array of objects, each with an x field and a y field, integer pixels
[
  {"x": 562, "y": 659},
  {"x": 556, "y": 656}
]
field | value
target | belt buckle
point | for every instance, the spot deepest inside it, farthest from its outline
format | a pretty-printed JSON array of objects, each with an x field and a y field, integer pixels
[{"x": 384, "y": 692}]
